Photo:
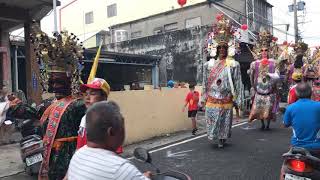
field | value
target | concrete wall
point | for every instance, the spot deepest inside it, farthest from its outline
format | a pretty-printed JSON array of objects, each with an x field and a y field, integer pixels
[
  {"x": 181, "y": 52},
  {"x": 72, "y": 16},
  {"x": 180, "y": 16},
  {"x": 152, "y": 113}
]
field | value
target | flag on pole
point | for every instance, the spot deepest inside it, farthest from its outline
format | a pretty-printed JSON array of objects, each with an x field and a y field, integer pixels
[{"x": 95, "y": 65}]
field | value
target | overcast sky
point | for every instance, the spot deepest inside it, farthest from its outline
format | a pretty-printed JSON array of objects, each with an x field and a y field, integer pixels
[{"x": 310, "y": 30}]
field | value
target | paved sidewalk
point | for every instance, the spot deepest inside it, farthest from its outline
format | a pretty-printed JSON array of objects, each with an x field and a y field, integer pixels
[{"x": 10, "y": 160}]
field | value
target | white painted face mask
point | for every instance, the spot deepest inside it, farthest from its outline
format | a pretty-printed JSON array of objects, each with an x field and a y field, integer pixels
[
  {"x": 213, "y": 52},
  {"x": 231, "y": 51}
]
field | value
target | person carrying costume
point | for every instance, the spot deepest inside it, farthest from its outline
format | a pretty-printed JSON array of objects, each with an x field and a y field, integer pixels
[
  {"x": 312, "y": 73},
  {"x": 60, "y": 67},
  {"x": 300, "y": 58},
  {"x": 222, "y": 85},
  {"x": 263, "y": 77},
  {"x": 95, "y": 90},
  {"x": 285, "y": 70},
  {"x": 292, "y": 96}
]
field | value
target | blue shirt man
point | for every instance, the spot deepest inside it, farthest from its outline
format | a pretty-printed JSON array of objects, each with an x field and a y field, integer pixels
[{"x": 304, "y": 118}]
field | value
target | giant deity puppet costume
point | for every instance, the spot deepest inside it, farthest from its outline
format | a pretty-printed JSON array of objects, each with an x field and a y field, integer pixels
[
  {"x": 222, "y": 85},
  {"x": 60, "y": 66},
  {"x": 263, "y": 77},
  {"x": 311, "y": 72},
  {"x": 285, "y": 69},
  {"x": 301, "y": 56}
]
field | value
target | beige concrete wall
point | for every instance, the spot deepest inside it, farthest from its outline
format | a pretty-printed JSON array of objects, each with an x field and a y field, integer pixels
[{"x": 152, "y": 113}]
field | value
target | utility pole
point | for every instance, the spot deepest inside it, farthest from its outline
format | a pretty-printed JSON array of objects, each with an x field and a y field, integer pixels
[
  {"x": 296, "y": 29},
  {"x": 55, "y": 16}
]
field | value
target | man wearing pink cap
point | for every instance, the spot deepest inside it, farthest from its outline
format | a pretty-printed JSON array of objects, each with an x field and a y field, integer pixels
[{"x": 95, "y": 91}]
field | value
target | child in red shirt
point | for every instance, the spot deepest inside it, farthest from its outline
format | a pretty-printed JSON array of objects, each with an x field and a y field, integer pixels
[
  {"x": 96, "y": 91},
  {"x": 192, "y": 101},
  {"x": 292, "y": 96}
]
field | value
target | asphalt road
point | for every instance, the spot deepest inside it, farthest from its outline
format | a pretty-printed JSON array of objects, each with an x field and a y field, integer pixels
[{"x": 251, "y": 154}]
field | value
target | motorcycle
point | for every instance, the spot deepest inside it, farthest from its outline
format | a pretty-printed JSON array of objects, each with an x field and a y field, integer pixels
[
  {"x": 31, "y": 145},
  {"x": 300, "y": 164},
  {"x": 143, "y": 155}
]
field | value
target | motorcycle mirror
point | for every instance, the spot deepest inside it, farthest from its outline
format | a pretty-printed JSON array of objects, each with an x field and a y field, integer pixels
[
  {"x": 142, "y": 154},
  {"x": 7, "y": 122}
]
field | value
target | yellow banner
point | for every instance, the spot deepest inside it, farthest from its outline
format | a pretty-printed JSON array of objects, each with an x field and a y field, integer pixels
[{"x": 94, "y": 65}]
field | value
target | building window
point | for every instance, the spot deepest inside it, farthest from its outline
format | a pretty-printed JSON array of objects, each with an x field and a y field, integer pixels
[
  {"x": 121, "y": 35},
  {"x": 89, "y": 17},
  {"x": 136, "y": 34},
  {"x": 157, "y": 30},
  {"x": 100, "y": 38},
  {"x": 193, "y": 22},
  {"x": 112, "y": 10},
  {"x": 171, "y": 26}
]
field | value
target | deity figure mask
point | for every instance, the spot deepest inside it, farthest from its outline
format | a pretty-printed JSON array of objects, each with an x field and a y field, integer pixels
[
  {"x": 223, "y": 52},
  {"x": 264, "y": 53}
]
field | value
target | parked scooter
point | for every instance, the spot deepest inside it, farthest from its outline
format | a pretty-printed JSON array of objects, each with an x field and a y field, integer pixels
[
  {"x": 300, "y": 164},
  {"x": 144, "y": 156},
  {"x": 31, "y": 145}
]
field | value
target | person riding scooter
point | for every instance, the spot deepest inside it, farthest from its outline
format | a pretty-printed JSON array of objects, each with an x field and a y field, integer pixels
[
  {"x": 304, "y": 118},
  {"x": 302, "y": 161}
]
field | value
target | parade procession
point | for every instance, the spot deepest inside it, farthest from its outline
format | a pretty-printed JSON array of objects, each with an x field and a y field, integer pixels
[{"x": 100, "y": 99}]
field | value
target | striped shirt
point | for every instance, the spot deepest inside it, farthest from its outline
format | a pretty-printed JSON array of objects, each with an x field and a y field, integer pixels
[{"x": 99, "y": 164}]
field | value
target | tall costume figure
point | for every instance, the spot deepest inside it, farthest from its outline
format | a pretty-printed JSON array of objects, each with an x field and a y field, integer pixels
[
  {"x": 312, "y": 73},
  {"x": 285, "y": 70},
  {"x": 222, "y": 85},
  {"x": 263, "y": 78},
  {"x": 300, "y": 58},
  {"x": 59, "y": 59}
]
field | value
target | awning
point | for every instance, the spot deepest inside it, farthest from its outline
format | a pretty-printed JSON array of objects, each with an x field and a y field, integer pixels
[
  {"x": 14, "y": 13},
  {"x": 121, "y": 58}
]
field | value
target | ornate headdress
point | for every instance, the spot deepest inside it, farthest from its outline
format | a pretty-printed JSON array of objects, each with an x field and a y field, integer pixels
[
  {"x": 316, "y": 55},
  {"x": 301, "y": 56},
  {"x": 222, "y": 35},
  {"x": 300, "y": 48},
  {"x": 59, "y": 59},
  {"x": 285, "y": 54},
  {"x": 266, "y": 41},
  {"x": 312, "y": 64}
]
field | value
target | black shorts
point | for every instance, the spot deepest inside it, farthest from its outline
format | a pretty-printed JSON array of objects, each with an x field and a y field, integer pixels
[{"x": 192, "y": 113}]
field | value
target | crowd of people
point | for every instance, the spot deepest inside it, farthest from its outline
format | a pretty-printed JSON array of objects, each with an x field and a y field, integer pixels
[
  {"x": 277, "y": 69},
  {"x": 83, "y": 133}
]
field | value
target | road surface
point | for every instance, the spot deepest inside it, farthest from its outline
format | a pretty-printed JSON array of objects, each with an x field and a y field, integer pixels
[{"x": 251, "y": 154}]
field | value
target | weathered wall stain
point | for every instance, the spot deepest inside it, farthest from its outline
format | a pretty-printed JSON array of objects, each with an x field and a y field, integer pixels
[{"x": 182, "y": 54}]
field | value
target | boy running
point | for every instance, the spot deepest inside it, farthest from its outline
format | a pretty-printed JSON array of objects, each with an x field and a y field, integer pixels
[{"x": 192, "y": 101}]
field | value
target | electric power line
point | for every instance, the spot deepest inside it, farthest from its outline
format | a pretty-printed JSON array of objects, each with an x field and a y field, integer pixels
[{"x": 251, "y": 19}]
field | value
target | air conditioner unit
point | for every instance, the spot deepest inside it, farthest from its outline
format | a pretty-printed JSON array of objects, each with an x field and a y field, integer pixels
[{"x": 121, "y": 35}]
